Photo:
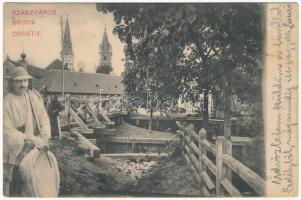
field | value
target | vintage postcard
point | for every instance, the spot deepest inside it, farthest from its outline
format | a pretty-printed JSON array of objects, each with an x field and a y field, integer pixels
[{"x": 150, "y": 100}]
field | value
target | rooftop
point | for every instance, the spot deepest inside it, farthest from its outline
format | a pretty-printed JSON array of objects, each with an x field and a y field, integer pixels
[{"x": 82, "y": 83}]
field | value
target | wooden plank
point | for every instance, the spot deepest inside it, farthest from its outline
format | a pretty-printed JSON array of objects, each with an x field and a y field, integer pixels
[
  {"x": 201, "y": 167},
  {"x": 205, "y": 191},
  {"x": 186, "y": 158},
  {"x": 236, "y": 140},
  {"x": 202, "y": 136},
  {"x": 93, "y": 141},
  {"x": 93, "y": 115},
  {"x": 84, "y": 131},
  {"x": 227, "y": 149},
  {"x": 223, "y": 147},
  {"x": 248, "y": 175},
  {"x": 189, "y": 148},
  {"x": 73, "y": 123},
  {"x": 117, "y": 114},
  {"x": 137, "y": 140},
  {"x": 220, "y": 172},
  {"x": 209, "y": 164},
  {"x": 78, "y": 109},
  {"x": 135, "y": 155},
  {"x": 195, "y": 136},
  {"x": 87, "y": 131},
  {"x": 178, "y": 118},
  {"x": 189, "y": 130},
  {"x": 209, "y": 146},
  {"x": 195, "y": 162},
  {"x": 233, "y": 191},
  {"x": 208, "y": 181},
  {"x": 77, "y": 119},
  {"x": 195, "y": 173},
  {"x": 181, "y": 126},
  {"x": 105, "y": 117},
  {"x": 194, "y": 148},
  {"x": 85, "y": 144},
  {"x": 165, "y": 118},
  {"x": 101, "y": 126}
]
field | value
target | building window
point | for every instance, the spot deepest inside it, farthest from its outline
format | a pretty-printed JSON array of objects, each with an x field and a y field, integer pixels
[
  {"x": 115, "y": 86},
  {"x": 97, "y": 85},
  {"x": 75, "y": 84},
  {"x": 105, "y": 58}
]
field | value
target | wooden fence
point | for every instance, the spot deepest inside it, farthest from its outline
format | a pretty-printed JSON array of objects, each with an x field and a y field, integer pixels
[{"x": 195, "y": 152}]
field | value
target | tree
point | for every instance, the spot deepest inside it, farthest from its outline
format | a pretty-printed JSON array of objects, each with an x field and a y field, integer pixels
[
  {"x": 104, "y": 69},
  {"x": 193, "y": 47}
]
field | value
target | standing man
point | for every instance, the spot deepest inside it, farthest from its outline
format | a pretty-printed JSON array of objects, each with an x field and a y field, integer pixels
[
  {"x": 53, "y": 111},
  {"x": 26, "y": 125}
]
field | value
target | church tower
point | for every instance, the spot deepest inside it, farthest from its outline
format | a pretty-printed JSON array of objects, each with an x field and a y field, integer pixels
[
  {"x": 68, "y": 56},
  {"x": 105, "y": 50}
]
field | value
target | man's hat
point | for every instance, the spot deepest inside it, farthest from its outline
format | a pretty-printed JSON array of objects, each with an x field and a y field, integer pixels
[{"x": 19, "y": 73}]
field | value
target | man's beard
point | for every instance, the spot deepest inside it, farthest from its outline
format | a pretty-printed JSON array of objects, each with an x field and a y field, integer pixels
[{"x": 21, "y": 90}]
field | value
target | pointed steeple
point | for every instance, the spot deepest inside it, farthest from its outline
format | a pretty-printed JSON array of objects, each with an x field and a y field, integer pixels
[
  {"x": 105, "y": 40},
  {"x": 105, "y": 50},
  {"x": 67, "y": 50},
  {"x": 68, "y": 56}
]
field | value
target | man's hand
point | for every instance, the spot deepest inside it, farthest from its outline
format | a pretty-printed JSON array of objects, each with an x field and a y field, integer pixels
[{"x": 40, "y": 143}]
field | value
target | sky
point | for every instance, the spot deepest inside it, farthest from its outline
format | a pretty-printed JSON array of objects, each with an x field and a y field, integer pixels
[{"x": 86, "y": 28}]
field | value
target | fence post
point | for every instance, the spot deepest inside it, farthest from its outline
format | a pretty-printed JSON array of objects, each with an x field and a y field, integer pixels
[
  {"x": 219, "y": 167},
  {"x": 189, "y": 144},
  {"x": 202, "y": 150},
  {"x": 227, "y": 148},
  {"x": 223, "y": 146}
]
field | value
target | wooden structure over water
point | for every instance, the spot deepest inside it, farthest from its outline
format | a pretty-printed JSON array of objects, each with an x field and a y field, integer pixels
[{"x": 198, "y": 151}]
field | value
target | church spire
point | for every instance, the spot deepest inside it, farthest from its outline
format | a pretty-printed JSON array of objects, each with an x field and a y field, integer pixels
[
  {"x": 105, "y": 50},
  {"x": 105, "y": 40},
  {"x": 67, "y": 40},
  {"x": 68, "y": 56}
]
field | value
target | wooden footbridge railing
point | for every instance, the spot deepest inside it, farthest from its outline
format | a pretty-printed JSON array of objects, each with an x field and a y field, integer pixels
[{"x": 195, "y": 152}]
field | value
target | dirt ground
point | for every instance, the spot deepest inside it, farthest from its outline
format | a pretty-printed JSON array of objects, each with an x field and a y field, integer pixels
[
  {"x": 80, "y": 176},
  {"x": 171, "y": 178},
  {"x": 83, "y": 177}
]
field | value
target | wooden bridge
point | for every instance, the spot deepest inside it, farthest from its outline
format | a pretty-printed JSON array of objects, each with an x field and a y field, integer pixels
[
  {"x": 196, "y": 149},
  {"x": 213, "y": 165}
]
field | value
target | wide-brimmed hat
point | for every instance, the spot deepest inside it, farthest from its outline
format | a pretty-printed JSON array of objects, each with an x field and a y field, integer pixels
[{"x": 19, "y": 73}]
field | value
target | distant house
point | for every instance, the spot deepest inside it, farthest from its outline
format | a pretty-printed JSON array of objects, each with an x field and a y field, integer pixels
[
  {"x": 80, "y": 83},
  {"x": 36, "y": 72},
  {"x": 191, "y": 108}
]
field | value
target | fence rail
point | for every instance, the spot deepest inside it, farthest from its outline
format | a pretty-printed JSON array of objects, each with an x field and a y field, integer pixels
[{"x": 195, "y": 152}]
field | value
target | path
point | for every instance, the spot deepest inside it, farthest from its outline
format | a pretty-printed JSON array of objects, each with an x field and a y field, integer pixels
[{"x": 99, "y": 178}]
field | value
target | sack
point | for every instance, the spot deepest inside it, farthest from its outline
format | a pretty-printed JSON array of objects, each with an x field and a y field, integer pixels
[{"x": 40, "y": 174}]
